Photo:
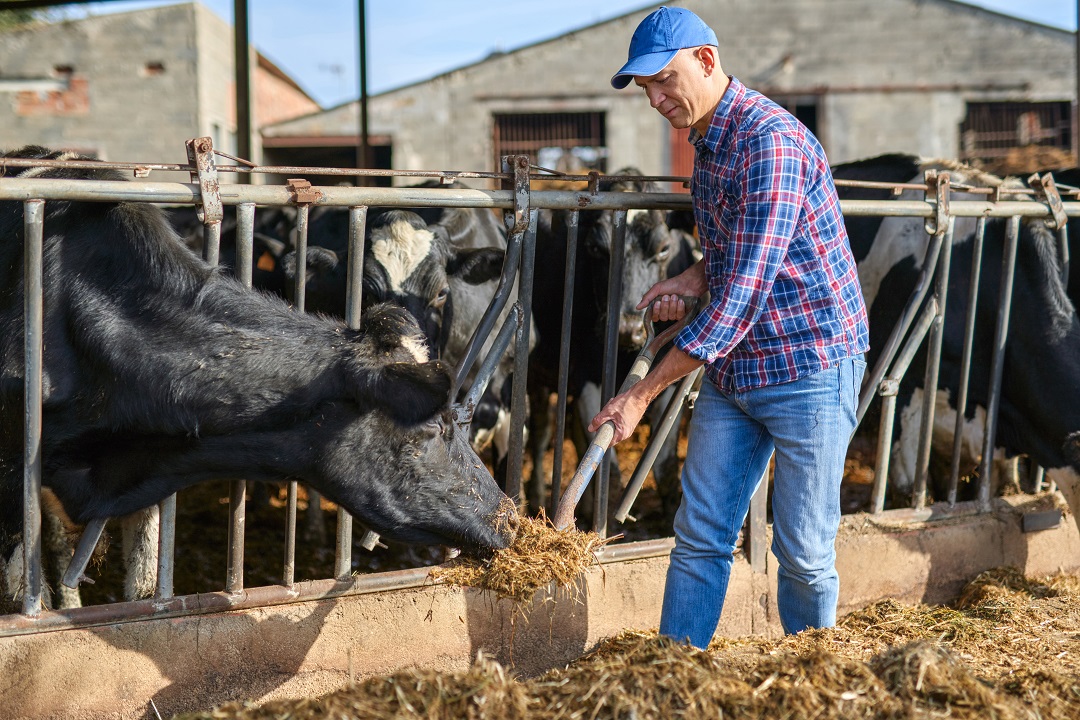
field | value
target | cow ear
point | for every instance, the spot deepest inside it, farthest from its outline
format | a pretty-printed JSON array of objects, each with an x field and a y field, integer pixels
[
  {"x": 476, "y": 266},
  {"x": 413, "y": 393},
  {"x": 319, "y": 260}
]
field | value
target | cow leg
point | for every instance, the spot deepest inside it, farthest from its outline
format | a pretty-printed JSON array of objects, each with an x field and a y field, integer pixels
[
  {"x": 57, "y": 547},
  {"x": 140, "y": 546}
]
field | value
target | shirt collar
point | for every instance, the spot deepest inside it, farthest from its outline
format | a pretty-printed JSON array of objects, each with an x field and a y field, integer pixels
[{"x": 723, "y": 119}]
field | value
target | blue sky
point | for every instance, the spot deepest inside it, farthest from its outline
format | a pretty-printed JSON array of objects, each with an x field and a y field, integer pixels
[{"x": 410, "y": 40}]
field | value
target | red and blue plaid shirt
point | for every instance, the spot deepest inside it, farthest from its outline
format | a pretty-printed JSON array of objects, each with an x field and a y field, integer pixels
[{"x": 785, "y": 295}]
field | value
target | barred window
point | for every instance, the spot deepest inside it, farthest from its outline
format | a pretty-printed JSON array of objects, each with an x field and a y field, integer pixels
[
  {"x": 568, "y": 142},
  {"x": 994, "y": 131}
]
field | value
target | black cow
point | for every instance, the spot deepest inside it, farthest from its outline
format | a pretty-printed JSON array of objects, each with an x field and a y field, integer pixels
[
  {"x": 1040, "y": 402},
  {"x": 161, "y": 372},
  {"x": 652, "y": 253}
]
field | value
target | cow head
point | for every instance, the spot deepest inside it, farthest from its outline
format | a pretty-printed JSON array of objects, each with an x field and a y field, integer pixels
[
  {"x": 649, "y": 248},
  {"x": 411, "y": 264}
]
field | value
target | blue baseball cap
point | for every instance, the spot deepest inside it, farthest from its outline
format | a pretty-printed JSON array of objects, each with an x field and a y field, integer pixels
[{"x": 657, "y": 40}]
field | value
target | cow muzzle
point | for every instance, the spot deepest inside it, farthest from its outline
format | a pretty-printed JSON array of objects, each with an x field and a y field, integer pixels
[{"x": 632, "y": 331}]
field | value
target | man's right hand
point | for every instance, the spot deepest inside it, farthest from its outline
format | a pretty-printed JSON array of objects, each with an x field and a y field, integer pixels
[{"x": 664, "y": 295}]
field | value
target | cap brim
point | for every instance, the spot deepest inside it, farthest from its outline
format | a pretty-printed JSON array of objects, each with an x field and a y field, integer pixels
[{"x": 643, "y": 65}]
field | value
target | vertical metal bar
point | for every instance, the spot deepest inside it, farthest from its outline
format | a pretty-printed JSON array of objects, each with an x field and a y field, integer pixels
[
  {"x": 519, "y": 393},
  {"x": 1063, "y": 251},
  {"x": 363, "y": 151},
  {"x": 300, "y": 281},
  {"x": 933, "y": 368},
  {"x": 1038, "y": 478},
  {"x": 212, "y": 242},
  {"x": 166, "y": 546},
  {"x": 965, "y": 362},
  {"x": 616, "y": 263},
  {"x": 353, "y": 305},
  {"x": 1008, "y": 271},
  {"x": 889, "y": 389},
  {"x": 569, "y": 282},
  {"x": 355, "y": 278},
  {"x": 245, "y": 234},
  {"x": 33, "y": 318},
  {"x": 234, "y": 576},
  {"x": 242, "y": 68},
  {"x": 289, "y": 574},
  {"x": 754, "y": 544}
]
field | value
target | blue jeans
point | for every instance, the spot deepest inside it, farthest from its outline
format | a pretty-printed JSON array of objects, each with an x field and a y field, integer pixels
[{"x": 808, "y": 423}]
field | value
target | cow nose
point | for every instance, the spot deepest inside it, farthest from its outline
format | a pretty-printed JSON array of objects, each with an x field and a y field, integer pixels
[
  {"x": 508, "y": 521},
  {"x": 631, "y": 332}
]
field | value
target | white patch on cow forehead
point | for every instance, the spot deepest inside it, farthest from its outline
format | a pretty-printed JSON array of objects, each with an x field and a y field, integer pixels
[
  {"x": 417, "y": 347},
  {"x": 632, "y": 215},
  {"x": 400, "y": 250}
]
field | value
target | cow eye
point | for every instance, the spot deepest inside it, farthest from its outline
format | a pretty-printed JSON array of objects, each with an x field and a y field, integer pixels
[
  {"x": 439, "y": 300},
  {"x": 664, "y": 252}
]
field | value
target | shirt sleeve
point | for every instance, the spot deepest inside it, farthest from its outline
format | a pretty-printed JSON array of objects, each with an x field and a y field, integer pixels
[{"x": 767, "y": 206}]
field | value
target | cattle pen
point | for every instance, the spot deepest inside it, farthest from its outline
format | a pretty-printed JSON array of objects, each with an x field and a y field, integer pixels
[{"x": 301, "y": 636}]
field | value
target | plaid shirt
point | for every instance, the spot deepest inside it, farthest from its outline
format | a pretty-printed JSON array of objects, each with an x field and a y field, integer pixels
[{"x": 785, "y": 294}]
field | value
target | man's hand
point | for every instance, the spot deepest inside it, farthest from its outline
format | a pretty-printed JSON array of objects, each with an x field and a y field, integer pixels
[
  {"x": 664, "y": 295},
  {"x": 625, "y": 411}
]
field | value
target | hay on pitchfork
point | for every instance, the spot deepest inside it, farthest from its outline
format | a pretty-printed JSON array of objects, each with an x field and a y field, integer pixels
[{"x": 539, "y": 555}]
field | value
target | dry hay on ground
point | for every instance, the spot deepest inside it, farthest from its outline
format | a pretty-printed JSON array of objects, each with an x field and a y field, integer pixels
[
  {"x": 539, "y": 555},
  {"x": 1007, "y": 651}
]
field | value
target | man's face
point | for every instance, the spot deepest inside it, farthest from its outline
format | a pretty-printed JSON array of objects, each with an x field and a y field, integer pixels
[{"x": 679, "y": 91}]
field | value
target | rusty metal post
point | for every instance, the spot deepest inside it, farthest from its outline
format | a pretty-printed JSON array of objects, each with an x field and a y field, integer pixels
[
  {"x": 200, "y": 152},
  {"x": 754, "y": 545},
  {"x": 569, "y": 282}
]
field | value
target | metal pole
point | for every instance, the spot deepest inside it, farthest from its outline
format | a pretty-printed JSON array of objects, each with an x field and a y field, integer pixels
[
  {"x": 569, "y": 282},
  {"x": 34, "y": 309},
  {"x": 242, "y": 62},
  {"x": 363, "y": 153},
  {"x": 1008, "y": 271}
]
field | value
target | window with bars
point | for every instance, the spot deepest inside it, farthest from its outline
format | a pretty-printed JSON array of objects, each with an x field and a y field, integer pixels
[
  {"x": 993, "y": 130},
  {"x": 568, "y": 142}
]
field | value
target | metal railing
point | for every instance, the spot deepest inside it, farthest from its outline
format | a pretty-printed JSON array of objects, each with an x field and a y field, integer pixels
[{"x": 923, "y": 317}]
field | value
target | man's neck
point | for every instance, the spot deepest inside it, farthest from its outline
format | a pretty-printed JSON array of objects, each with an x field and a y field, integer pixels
[{"x": 702, "y": 125}]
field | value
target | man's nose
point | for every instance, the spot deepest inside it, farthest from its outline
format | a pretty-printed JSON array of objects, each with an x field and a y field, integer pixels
[{"x": 656, "y": 98}]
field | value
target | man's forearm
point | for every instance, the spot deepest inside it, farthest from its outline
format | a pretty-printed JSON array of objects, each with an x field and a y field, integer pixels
[{"x": 673, "y": 367}]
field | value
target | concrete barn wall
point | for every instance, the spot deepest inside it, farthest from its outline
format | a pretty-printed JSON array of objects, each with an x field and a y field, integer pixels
[{"x": 308, "y": 648}]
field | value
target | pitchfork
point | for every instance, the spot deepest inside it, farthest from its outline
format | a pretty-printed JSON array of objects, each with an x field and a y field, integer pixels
[{"x": 564, "y": 514}]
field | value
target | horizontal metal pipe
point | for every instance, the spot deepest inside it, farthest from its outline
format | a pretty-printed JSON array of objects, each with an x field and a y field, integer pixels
[{"x": 163, "y": 192}]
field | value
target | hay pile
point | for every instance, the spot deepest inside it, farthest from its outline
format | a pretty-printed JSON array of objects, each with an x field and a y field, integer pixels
[
  {"x": 539, "y": 555},
  {"x": 1007, "y": 651}
]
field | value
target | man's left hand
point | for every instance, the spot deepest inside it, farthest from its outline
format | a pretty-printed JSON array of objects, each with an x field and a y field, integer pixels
[{"x": 625, "y": 411}]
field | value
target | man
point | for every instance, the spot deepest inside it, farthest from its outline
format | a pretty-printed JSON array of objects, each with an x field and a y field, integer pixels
[{"x": 782, "y": 337}]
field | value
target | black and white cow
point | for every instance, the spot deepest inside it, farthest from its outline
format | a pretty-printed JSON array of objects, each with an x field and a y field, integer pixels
[
  {"x": 652, "y": 253},
  {"x": 1040, "y": 391},
  {"x": 161, "y": 372},
  {"x": 442, "y": 265}
]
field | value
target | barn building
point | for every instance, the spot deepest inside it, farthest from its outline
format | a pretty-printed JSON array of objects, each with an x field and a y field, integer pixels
[
  {"x": 133, "y": 86},
  {"x": 933, "y": 77}
]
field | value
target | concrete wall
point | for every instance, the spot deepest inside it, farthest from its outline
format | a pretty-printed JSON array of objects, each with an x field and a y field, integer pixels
[
  {"x": 116, "y": 103},
  {"x": 893, "y": 75},
  {"x": 308, "y": 648}
]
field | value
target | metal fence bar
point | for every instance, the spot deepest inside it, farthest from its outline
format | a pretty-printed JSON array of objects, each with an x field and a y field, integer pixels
[
  {"x": 569, "y": 282},
  {"x": 965, "y": 362},
  {"x": 519, "y": 388},
  {"x": 616, "y": 262},
  {"x": 754, "y": 543},
  {"x": 245, "y": 240},
  {"x": 34, "y": 312},
  {"x": 166, "y": 547},
  {"x": 933, "y": 363},
  {"x": 1008, "y": 271}
]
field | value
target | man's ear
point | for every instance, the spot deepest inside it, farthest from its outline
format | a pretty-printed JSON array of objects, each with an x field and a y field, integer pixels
[{"x": 707, "y": 56}]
